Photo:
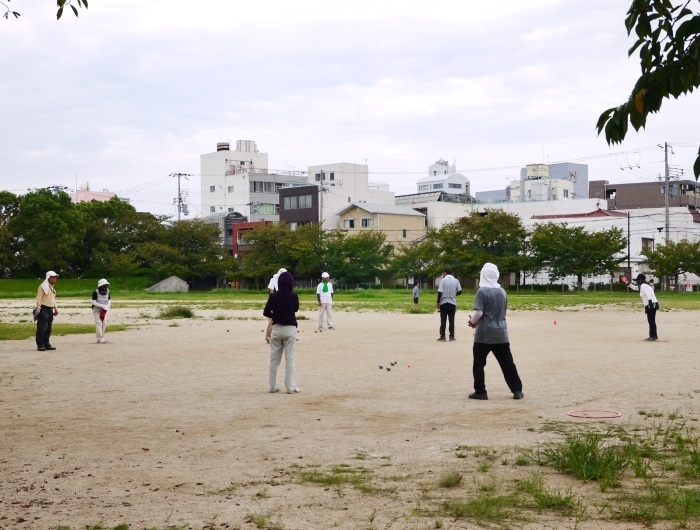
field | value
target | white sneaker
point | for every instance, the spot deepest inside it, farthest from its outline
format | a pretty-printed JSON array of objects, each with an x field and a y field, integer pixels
[
  {"x": 102, "y": 341},
  {"x": 295, "y": 391},
  {"x": 274, "y": 390}
]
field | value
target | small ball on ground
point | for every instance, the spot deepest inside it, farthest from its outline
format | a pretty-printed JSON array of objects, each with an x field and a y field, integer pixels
[
  {"x": 388, "y": 368},
  {"x": 381, "y": 366}
]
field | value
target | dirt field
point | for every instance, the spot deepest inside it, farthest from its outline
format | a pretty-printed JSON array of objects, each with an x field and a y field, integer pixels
[{"x": 168, "y": 426}]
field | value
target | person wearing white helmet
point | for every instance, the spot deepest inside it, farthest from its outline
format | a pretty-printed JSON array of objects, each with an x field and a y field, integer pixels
[
  {"x": 45, "y": 310},
  {"x": 101, "y": 301}
]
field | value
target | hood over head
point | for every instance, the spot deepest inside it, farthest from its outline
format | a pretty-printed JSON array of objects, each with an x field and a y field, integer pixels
[
  {"x": 640, "y": 278},
  {"x": 489, "y": 276},
  {"x": 285, "y": 282}
]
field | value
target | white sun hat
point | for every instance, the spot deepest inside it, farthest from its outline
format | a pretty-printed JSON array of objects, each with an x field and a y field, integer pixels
[{"x": 102, "y": 282}]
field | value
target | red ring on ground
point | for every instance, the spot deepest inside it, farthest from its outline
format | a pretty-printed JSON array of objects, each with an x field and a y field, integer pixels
[{"x": 605, "y": 414}]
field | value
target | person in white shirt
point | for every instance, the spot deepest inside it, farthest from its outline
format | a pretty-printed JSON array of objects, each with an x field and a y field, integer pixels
[
  {"x": 651, "y": 305},
  {"x": 101, "y": 302},
  {"x": 324, "y": 295}
]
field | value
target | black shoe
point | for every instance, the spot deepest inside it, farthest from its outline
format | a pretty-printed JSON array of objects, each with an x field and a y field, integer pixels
[
  {"x": 651, "y": 339},
  {"x": 442, "y": 339},
  {"x": 518, "y": 394},
  {"x": 40, "y": 348},
  {"x": 474, "y": 395},
  {"x": 49, "y": 347},
  {"x": 452, "y": 338}
]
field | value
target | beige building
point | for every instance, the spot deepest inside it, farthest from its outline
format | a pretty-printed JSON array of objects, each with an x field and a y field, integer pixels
[{"x": 400, "y": 224}]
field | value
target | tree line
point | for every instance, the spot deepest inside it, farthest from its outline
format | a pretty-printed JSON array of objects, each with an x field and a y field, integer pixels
[{"x": 44, "y": 230}]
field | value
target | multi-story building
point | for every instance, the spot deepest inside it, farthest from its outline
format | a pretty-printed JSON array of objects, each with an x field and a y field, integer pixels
[
  {"x": 538, "y": 184},
  {"x": 341, "y": 184},
  {"x": 398, "y": 223},
  {"x": 240, "y": 181},
  {"x": 646, "y": 194},
  {"x": 444, "y": 177}
]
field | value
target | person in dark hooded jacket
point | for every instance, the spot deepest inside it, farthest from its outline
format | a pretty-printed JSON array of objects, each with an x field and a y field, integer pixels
[{"x": 281, "y": 308}]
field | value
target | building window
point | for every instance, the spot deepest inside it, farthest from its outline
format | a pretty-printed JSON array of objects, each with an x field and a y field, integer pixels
[
  {"x": 566, "y": 194},
  {"x": 305, "y": 201},
  {"x": 332, "y": 176},
  {"x": 212, "y": 189},
  {"x": 318, "y": 177},
  {"x": 266, "y": 209},
  {"x": 647, "y": 244},
  {"x": 437, "y": 186},
  {"x": 367, "y": 222},
  {"x": 290, "y": 203},
  {"x": 434, "y": 173},
  {"x": 424, "y": 187},
  {"x": 349, "y": 199},
  {"x": 529, "y": 194},
  {"x": 349, "y": 223},
  {"x": 455, "y": 186},
  {"x": 212, "y": 209},
  {"x": 230, "y": 189},
  {"x": 231, "y": 208},
  {"x": 277, "y": 209},
  {"x": 229, "y": 232},
  {"x": 404, "y": 233}
]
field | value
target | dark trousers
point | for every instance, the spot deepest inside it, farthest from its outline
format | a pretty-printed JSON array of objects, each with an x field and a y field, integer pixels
[
  {"x": 651, "y": 318},
  {"x": 504, "y": 358},
  {"x": 447, "y": 311},
  {"x": 43, "y": 326}
]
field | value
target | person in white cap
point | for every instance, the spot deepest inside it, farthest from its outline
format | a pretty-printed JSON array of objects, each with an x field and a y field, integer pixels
[
  {"x": 272, "y": 287},
  {"x": 46, "y": 309},
  {"x": 101, "y": 301},
  {"x": 324, "y": 295}
]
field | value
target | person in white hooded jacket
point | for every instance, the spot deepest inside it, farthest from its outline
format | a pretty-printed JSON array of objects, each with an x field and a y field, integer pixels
[
  {"x": 272, "y": 287},
  {"x": 101, "y": 301},
  {"x": 491, "y": 334}
]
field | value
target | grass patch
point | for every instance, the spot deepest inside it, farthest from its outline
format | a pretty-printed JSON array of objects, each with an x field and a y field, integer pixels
[
  {"x": 337, "y": 476},
  {"x": 485, "y": 508},
  {"x": 221, "y": 317},
  {"x": 176, "y": 311},
  {"x": 450, "y": 479},
  {"x": 586, "y": 456},
  {"x": 12, "y": 331},
  {"x": 547, "y": 498}
]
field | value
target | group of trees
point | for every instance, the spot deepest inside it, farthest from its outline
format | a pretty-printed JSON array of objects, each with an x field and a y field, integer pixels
[{"x": 44, "y": 230}]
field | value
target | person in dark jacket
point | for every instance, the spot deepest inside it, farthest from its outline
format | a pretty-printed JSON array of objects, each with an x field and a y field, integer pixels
[{"x": 281, "y": 308}]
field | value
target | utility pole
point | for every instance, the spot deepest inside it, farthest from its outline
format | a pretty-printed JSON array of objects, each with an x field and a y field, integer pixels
[
  {"x": 179, "y": 193},
  {"x": 667, "y": 192},
  {"x": 320, "y": 196},
  {"x": 629, "y": 265}
]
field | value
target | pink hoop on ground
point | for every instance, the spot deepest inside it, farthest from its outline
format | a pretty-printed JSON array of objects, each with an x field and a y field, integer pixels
[{"x": 601, "y": 414}]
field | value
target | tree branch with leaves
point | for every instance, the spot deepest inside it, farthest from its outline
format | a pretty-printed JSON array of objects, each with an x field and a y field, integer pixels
[
  {"x": 60, "y": 6},
  {"x": 668, "y": 40}
]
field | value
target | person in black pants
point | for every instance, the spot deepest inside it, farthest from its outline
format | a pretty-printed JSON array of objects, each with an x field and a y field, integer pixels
[
  {"x": 448, "y": 291},
  {"x": 491, "y": 335},
  {"x": 46, "y": 310}
]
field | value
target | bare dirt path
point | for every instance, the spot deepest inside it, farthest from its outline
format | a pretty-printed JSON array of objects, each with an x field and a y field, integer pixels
[{"x": 174, "y": 425}]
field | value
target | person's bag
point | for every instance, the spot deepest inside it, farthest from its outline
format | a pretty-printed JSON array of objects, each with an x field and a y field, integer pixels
[
  {"x": 103, "y": 314},
  {"x": 35, "y": 313},
  {"x": 656, "y": 305}
]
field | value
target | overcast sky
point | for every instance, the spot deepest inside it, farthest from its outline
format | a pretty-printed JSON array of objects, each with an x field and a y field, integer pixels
[{"x": 134, "y": 90}]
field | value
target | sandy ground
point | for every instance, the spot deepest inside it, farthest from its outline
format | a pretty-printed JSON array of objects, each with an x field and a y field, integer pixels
[{"x": 174, "y": 425}]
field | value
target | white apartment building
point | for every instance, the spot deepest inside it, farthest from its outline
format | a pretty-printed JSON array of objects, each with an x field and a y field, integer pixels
[
  {"x": 444, "y": 177},
  {"x": 240, "y": 181},
  {"x": 341, "y": 184},
  {"x": 540, "y": 185}
]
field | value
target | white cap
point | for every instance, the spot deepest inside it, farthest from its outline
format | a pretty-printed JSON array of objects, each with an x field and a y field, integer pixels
[
  {"x": 325, "y": 275},
  {"x": 102, "y": 282},
  {"x": 50, "y": 273}
]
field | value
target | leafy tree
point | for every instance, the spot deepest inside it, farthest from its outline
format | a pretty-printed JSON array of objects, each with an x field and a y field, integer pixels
[
  {"x": 417, "y": 259},
  {"x": 565, "y": 250},
  {"x": 673, "y": 259},
  {"x": 265, "y": 252},
  {"x": 50, "y": 229},
  {"x": 198, "y": 248},
  {"x": 9, "y": 208},
  {"x": 60, "y": 4},
  {"x": 303, "y": 250},
  {"x": 124, "y": 266},
  {"x": 668, "y": 39},
  {"x": 357, "y": 258},
  {"x": 494, "y": 236}
]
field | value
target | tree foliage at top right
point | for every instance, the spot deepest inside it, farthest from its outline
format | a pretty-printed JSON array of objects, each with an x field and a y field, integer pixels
[{"x": 668, "y": 40}]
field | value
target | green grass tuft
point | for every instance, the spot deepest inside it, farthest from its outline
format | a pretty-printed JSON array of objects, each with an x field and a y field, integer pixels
[
  {"x": 175, "y": 312},
  {"x": 450, "y": 479}
]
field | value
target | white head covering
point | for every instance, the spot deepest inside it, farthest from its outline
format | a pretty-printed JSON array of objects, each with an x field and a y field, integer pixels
[
  {"x": 325, "y": 275},
  {"x": 102, "y": 282},
  {"x": 273, "y": 282},
  {"x": 489, "y": 276},
  {"x": 46, "y": 285}
]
